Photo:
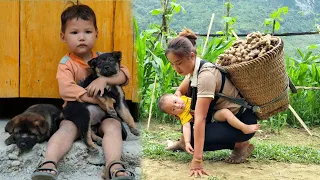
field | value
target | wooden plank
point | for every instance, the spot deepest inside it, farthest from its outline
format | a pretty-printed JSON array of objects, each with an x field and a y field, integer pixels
[
  {"x": 123, "y": 41},
  {"x": 9, "y": 51},
  {"x": 42, "y": 49},
  {"x": 104, "y": 15}
]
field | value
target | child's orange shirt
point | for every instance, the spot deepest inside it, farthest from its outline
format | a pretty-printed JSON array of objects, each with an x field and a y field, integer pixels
[{"x": 71, "y": 70}]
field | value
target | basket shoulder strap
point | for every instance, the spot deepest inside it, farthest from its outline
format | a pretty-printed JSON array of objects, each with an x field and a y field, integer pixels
[{"x": 239, "y": 101}]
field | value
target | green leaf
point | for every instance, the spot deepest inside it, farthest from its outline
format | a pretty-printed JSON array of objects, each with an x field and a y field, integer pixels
[
  {"x": 277, "y": 25},
  {"x": 219, "y": 32},
  {"x": 312, "y": 46},
  {"x": 176, "y": 7},
  {"x": 230, "y": 20},
  {"x": 226, "y": 4},
  {"x": 156, "y": 12},
  {"x": 285, "y": 9},
  {"x": 300, "y": 53},
  {"x": 268, "y": 21},
  {"x": 306, "y": 57},
  {"x": 274, "y": 14}
]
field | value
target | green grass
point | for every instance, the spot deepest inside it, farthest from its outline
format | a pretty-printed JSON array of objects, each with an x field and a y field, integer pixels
[{"x": 154, "y": 143}]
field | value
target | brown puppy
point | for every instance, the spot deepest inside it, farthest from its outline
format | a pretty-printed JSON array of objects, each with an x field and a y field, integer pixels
[{"x": 35, "y": 125}]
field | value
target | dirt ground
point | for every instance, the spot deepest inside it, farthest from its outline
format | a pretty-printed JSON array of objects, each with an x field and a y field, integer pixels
[{"x": 158, "y": 170}]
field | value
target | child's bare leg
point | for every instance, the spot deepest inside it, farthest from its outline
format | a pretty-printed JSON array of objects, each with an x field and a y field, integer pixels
[
  {"x": 226, "y": 115},
  {"x": 60, "y": 143},
  {"x": 112, "y": 143}
]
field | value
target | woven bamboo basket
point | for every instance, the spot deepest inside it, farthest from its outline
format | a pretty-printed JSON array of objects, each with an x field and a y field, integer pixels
[{"x": 262, "y": 81}]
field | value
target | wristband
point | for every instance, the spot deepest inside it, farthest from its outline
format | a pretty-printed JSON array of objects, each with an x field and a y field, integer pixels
[{"x": 198, "y": 160}]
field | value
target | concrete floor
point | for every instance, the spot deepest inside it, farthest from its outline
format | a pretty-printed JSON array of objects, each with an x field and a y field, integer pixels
[{"x": 77, "y": 164}]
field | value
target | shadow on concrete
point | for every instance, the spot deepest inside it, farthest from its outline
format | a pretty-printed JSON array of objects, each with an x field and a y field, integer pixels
[{"x": 10, "y": 107}]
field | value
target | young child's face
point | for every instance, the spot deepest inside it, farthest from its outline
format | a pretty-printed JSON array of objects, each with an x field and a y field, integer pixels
[
  {"x": 173, "y": 105},
  {"x": 80, "y": 36}
]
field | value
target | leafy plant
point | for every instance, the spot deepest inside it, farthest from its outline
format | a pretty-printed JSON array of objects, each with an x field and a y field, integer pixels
[
  {"x": 275, "y": 19},
  {"x": 215, "y": 47},
  {"x": 167, "y": 12},
  {"x": 229, "y": 21},
  {"x": 305, "y": 71}
]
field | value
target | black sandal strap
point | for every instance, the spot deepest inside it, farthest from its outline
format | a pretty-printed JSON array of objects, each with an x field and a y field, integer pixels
[
  {"x": 39, "y": 168},
  {"x": 111, "y": 164},
  {"x": 47, "y": 162},
  {"x": 46, "y": 169},
  {"x": 115, "y": 171},
  {"x": 116, "y": 162}
]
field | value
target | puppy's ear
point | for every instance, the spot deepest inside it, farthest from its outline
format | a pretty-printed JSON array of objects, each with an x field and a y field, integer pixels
[
  {"x": 12, "y": 124},
  {"x": 117, "y": 54},
  {"x": 43, "y": 126},
  {"x": 92, "y": 63}
]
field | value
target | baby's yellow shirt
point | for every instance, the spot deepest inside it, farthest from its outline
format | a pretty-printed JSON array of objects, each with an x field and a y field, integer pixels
[{"x": 185, "y": 116}]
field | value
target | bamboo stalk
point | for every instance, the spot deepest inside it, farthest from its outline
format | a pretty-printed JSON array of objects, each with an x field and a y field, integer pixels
[
  {"x": 299, "y": 119},
  {"x": 151, "y": 103},
  {"x": 227, "y": 15},
  {"x": 307, "y": 88},
  {"x": 234, "y": 34},
  {"x": 209, "y": 29}
]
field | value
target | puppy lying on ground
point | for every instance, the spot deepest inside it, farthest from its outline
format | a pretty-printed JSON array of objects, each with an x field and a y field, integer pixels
[
  {"x": 35, "y": 125},
  {"x": 106, "y": 64}
]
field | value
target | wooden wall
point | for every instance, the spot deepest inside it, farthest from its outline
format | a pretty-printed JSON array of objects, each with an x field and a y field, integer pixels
[
  {"x": 41, "y": 49},
  {"x": 9, "y": 48}
]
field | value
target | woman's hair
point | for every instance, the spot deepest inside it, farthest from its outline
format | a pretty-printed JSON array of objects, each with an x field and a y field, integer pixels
[
  {"x": 188, "y": 33},
  {"x": 77, "y": 11},
  {"x": 183, "y": 45}
]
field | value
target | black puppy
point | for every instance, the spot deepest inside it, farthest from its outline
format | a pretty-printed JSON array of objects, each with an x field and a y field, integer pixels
[
  {"x": 106, "y": 64},
  {"x": 35, "y": 125}
]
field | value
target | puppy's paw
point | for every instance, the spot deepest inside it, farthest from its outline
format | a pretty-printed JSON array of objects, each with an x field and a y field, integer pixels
[
  {"x": 134, "y": 131},
  {"x": 93, "y": 150},
  {"x": 112, "y": 112},
  {"x": 9, "y": 140},
  {"x": 99, "y": 141}
]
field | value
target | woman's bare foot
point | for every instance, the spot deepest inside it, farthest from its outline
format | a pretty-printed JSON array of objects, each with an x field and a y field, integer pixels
[
  {"x": 240, "y": 153},
  {"x": 251, "y": 128}
]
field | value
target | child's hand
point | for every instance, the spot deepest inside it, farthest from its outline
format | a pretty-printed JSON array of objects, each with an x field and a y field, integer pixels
[
  {"x": 189, "y": 148},
  {"x": 95, "y": 86}
]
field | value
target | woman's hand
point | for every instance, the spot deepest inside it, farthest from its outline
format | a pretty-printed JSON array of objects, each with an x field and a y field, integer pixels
[
  {"x": 196, "y": 168},
  {"x": 188, "y": 147},
  {"x": 95, "y": 86},
  {"x": 178, "y": 93}
]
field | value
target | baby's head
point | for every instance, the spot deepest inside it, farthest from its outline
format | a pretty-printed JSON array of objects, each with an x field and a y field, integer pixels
[
  {"x": 171, "y": 104},
  {"x": 79, "y": 29}
]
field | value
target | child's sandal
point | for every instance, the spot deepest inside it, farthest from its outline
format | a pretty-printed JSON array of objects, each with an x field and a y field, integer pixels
[
  {"x": 113, "y": 175},
  {"x": 42, "y": 174}
]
